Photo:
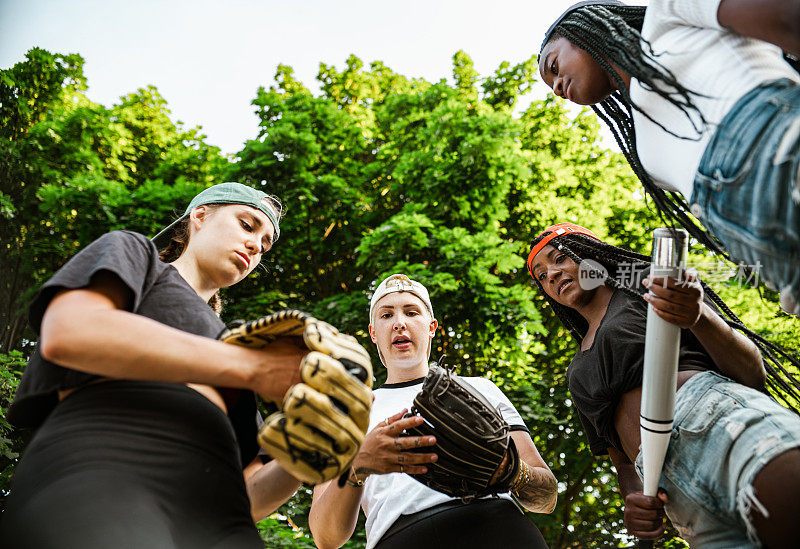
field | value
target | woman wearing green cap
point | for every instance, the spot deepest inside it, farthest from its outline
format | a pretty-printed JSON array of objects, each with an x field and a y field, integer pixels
[{"x": 146, "y": 423}]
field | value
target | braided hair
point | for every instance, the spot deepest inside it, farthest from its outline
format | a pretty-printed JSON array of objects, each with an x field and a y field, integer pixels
[
  {"x": 617, "y": 261},
  {"x": 611, "y": 33}
]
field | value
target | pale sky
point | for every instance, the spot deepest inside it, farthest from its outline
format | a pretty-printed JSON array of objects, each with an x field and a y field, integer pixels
[{"x": 208, "y": 58}]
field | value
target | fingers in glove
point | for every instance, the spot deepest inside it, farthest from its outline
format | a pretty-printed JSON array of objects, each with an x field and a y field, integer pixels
[
  {"x": 321, "y": 336},
  {"x": 328, "y": 376},
  {"x": 309, "y": 410},
  {"x": 310, "y": 460}
]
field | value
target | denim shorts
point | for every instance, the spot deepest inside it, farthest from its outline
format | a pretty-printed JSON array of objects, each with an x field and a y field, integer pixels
[
  {"x": 747, "y": 190},
  {"x": 723, "y": 434}
]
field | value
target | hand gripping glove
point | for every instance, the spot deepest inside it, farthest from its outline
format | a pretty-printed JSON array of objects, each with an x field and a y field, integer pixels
[
  {"x": 323, "y": 420},
  {"x": 472, "y": 438}
]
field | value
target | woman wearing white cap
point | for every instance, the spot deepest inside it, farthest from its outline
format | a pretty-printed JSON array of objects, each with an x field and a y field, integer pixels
[
  {"x": 146, "y": 423},
  {"x": 400, "y": 511}
]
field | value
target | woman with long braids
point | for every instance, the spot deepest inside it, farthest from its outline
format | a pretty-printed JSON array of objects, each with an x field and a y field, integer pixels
[
  {"x": 146, "y": 423},
  {"x": 731, "y": 476},
  {"x": 706, "y": 110}
]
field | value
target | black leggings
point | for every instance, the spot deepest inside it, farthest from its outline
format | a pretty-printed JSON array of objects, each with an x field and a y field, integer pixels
[
  {"x": 130, "y": 465},
  {"x": 483, "y": 524}
]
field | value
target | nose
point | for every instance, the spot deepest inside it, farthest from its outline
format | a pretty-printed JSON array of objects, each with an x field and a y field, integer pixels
[
  {"x": 253, "y": 246},
  {"x": 553, "y": 273},
  {"x": 558, "y": 86},
  {"x": 399, "y": 324}
]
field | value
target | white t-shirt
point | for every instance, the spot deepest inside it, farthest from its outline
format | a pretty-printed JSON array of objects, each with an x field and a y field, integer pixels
[
  {"x": 388, "y": 496},
  {"x": 707, "y": 59}
]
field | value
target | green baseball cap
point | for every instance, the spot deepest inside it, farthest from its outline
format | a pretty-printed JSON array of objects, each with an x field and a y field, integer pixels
[{"x": 225, "y": 193}]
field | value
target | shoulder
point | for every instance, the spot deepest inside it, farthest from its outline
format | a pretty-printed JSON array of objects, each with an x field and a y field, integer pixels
[
  {"x": 487, "y": 388},
  {"x": 127, "y": 238},
  {"x": 624, "y": 311},
  {"x": 482, "y": 384},
  {"x": 663, "y": 14},
  {"x": 126, "y": 244}
]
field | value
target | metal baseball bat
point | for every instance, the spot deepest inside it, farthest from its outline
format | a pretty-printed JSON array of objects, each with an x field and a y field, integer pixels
[{"x": 660, "y": 376}]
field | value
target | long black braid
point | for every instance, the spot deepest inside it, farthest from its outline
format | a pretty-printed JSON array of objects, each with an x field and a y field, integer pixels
[
  {"x": 633, "y": 268},
  {"x": 612, "y": 34}
]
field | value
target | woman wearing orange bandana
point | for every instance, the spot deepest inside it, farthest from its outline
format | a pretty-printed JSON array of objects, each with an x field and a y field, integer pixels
[{"x": 733, "y": 457}]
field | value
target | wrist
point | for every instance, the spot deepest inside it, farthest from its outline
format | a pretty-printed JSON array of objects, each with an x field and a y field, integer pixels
[
  {"x": 703, "y": 320},
  {"x": 355, "y": 480},
  {"x": 521, "y": 478}
]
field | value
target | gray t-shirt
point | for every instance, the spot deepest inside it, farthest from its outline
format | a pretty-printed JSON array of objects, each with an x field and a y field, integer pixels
[{"x": 158, "y": 292}]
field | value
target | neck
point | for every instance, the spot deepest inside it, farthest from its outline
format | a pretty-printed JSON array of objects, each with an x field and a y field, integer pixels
[
  {"x": 596, "y": 308},
  {"x": 399, "y": 374},
  {"x": 190, "y": 272},
  {"x": 626, "y": 78}
]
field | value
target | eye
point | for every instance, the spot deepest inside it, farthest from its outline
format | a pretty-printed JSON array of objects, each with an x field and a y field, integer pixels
[
  {"x": 385, "y": 315},
  {"x": 553, "y": 69},
  {"x": 247, "y": 227},
  {"x": 560, "y": 258},
  {"x": 412, "y": 313},
  {"x": 540, "y": 276}
]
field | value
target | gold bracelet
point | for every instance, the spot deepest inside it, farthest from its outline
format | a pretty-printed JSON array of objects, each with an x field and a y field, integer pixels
[
  {"x": 357, "y": 484},
  {"x": 522, "y": 477}
]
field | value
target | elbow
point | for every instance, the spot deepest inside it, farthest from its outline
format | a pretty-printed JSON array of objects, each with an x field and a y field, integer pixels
[
  {"x": 55, "y": 346},
  {"x": 320, "y": 539},
  {"x": 551, "y": 506},
  {"x": 758, "y": 372},
  {"x": 321, "y": 534},
  {"x": 59, "y": 341},
  {"x": 761, "y": 377}
]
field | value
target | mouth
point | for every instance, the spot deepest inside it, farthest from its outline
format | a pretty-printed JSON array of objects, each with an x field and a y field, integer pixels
[
  {"x": 401, "y": 342},
  {"x": 563, "y": 285},
  {"x": 244, "y": 258}
]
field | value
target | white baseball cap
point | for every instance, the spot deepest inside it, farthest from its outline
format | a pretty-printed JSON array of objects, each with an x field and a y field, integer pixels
[{"x": 400, "y": 283}]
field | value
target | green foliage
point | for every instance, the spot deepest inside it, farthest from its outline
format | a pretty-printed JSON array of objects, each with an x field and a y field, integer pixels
[
  {"x": 11, "y": 443},
  {"x": 72, "y": 170},
  {"x": 380, "y": 173}
]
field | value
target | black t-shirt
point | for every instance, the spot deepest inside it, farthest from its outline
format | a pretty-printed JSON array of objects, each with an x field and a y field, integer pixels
[
  {"x": 613, "y": 365},
  {"x": 158, "y": 292}
]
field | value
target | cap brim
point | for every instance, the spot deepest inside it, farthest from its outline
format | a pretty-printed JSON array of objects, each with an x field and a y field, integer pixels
[{"x": 161, "y": 240}]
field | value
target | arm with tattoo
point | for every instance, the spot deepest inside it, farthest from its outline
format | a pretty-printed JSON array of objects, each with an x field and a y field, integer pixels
[{"x": 534, "y": 486}]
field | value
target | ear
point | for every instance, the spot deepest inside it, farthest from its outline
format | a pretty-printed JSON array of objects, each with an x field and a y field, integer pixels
[
  {"x": 372, "y": 334},
  {"x": 432, "y": 328},
  {"x": 198, "y": 216}
]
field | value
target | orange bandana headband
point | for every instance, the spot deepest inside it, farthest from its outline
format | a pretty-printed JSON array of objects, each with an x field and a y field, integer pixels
[{"x": 555, "y": 231}]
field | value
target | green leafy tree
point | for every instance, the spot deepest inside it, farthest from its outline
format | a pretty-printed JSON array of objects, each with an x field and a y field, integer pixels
[
  {"x": 72, "y": 170},
  {"x": 380, "y": 173}
]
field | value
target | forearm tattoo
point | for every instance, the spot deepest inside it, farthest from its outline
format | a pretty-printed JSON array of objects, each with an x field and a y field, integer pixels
[
  {"x": 365, "y": 471},
  {"x": 538, "y": 491}
]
